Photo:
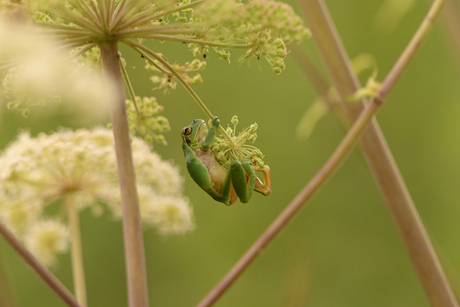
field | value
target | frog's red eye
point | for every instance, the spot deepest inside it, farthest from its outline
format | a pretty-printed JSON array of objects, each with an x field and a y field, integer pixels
[{"x": 186, "y": 131}]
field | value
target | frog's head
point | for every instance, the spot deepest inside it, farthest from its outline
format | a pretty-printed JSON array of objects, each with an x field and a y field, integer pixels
[{"x": 195, "y": 133}]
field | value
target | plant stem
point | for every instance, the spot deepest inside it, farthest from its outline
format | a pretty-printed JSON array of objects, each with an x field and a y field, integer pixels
[
  {"x": 132, "y": 228},
  {"x": 43, "y": 272},
  {"x": 378, "y": 155},
  {"x": 76, "y": 250}
]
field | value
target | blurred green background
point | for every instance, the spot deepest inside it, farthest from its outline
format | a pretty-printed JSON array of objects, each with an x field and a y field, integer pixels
[{"x": 343, "y": 248}]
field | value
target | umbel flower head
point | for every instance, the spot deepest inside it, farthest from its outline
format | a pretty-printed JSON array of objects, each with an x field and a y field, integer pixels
[
  {"x": 235, "y": 148},
  {"x": 37, "y": 173},
  {"x": 262, "y": 27}
]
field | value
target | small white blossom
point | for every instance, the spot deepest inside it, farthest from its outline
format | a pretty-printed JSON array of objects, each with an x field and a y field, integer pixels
[{"x": 46, "y": 239}]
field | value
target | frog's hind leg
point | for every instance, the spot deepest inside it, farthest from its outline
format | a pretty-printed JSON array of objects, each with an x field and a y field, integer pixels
[
  {"x": 243, "y": 186},
  {"x": 266, "y": 187}
]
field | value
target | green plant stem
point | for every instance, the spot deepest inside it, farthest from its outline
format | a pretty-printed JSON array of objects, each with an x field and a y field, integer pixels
[
  {"x": 42, "y": 271},
  {"x": 140, "y": 48},
  {"x": 76, "y": 251},
  {"x": 132, "y": 228},
  {"x": 378, "y": 155}
]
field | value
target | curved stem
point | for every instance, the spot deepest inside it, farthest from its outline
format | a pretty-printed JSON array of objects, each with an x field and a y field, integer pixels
[
  {"x": 138, "y": 48},
  {"x": 76, "y": 251},
  {"x": 132, "y": 228},
  {"x": 43, "y": 272}
]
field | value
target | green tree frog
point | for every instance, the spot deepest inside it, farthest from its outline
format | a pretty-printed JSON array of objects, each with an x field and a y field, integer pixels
[{"x": 224, "y": 184}]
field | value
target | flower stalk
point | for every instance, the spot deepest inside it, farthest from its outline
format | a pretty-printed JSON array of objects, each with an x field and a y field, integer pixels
[
  {"x": 378, "y": 155},
  {"x": 439, "y": 292},
  {"x": 39, "y": 268},
  {"x": 132, "y": 228},
  {"x": 76, "y": 249}
]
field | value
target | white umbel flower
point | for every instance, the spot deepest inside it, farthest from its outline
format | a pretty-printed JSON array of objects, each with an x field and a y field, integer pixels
[{"x": 38, "y": 171}]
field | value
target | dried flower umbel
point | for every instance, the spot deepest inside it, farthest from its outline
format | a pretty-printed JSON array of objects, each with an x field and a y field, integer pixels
[{"x": 38, "y": 172}]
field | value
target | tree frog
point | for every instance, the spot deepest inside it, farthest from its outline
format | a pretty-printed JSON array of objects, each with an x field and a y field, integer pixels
[{"x": 223, "y": 184}]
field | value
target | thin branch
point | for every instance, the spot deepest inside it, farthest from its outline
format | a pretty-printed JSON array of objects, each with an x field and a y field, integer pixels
[
  {"x": 316, "y": 12},
  {"x": 132, "y": 228},
  {"x": 43, "y": 272}
]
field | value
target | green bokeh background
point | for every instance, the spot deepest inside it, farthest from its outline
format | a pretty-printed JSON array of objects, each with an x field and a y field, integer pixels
[{"x": 343, "y": 248}]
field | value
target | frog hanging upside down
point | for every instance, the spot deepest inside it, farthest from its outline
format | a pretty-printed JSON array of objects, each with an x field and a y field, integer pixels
[{"x": 224, "y": 182}]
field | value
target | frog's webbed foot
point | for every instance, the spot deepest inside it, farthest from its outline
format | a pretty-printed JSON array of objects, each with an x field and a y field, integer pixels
[
  {"x": 206, "y": 144},
  {"x": 266, "y": 187}
]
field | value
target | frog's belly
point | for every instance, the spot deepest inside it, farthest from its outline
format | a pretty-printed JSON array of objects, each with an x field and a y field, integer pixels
[{"x": 215, "y": 170}]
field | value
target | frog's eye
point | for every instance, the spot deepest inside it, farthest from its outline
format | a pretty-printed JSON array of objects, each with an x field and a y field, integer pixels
[{"x": 186, "y": 131}]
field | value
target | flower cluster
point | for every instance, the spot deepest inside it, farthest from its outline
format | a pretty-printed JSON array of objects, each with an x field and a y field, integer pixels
[
  {"x": 236, "y": 148},
  {"x": 41, "y": 75},
  {"x": 167, "y": 81},
  {"x": 39, "y": 172},
  {"x": 145, "y": 120},
  {"x": 262, "y": 27}
]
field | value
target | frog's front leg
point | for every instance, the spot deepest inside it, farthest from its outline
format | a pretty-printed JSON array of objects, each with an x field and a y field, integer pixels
[{"x": 206, "y": 144}]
